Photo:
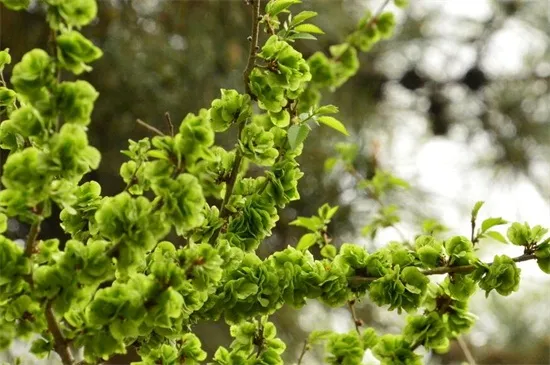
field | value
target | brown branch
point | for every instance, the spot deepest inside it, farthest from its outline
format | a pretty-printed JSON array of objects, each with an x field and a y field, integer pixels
[
  {"x": 170, "y": 124},
  {"x": 356, "y": 320},
  {"x": 253, "y": 46},
  {"x": 31, "y": 239},
  {"x": 302, "y": 354},
  {"x": 60, "y": 344},
  {"x": 465, "y": 269},
  {"x": 150, "y": 127},
  {"x": 464, "y": 346}
]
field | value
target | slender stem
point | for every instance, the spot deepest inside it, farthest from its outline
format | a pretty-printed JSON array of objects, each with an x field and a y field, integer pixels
[
  {"x": 170, "y": 124},
  {"x": 60, "y": 344},
  {"x": 150, "y": 127},
  {"x": 464, "y": 346},
  {"x": 356, "y": 321},
  {"x": 302, "y": 354},
  {"x": 31, "y": 239},
  {"x": 465, "y": 269},
  {"x": 377, "y": 14},
  {"x": 253, "y": 46},
  {"x": 232, "y": 178}
]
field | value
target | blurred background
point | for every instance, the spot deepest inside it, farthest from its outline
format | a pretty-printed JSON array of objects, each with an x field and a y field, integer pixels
[{"x": 457, "y": 103}]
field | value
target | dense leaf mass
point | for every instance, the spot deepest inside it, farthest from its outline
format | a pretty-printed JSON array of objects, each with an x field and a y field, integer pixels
[{"x": 119, "y": 282}]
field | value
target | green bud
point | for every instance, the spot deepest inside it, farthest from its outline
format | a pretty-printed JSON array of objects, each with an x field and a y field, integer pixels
[
  {"x": 7, "y": 96},
  {"x": 5, "y": 58},
  {"x": 33, "y": 72},
  {"x": 16, "y": 5},
  {"x": 503, "y": 276},
  {"x": 74, "y": 51},
  {"x": 231, "y": 108},
  {"x": 75, "y": 101}
]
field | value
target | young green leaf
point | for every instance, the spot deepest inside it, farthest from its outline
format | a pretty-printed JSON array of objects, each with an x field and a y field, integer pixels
[
  {"x": 317, "y": 336},
  {"x": 476, "y": 209},
  {"x": 327, "y": 109},
  {"x": 496, "y": 236},
  {"x": 302, "y": 17},
  {"x": 306, "y": 36},
  {"x": 308, "y": 28},
  {"x": 275, "y": 7},
  {"x": 307, "y": 240},
  {"x": 491, "y": 222},
  {"x": 334, "y": 124},
  {"x": 297, "y": 134}
]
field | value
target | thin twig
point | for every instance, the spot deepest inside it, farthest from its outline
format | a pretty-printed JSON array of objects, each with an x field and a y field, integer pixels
[
  {"x": 253, "y": 46},
  {"x": 356, "y": 321},
  {"x": 60, "y": 344},
  {"x": 170, "y": 124},
  {"x": 378, "y": 12},
  {"x": 31, "y": 239},
  {"x": 150, "y": 127},
  {"x": 464, "y": 346},
  {"x": 465, "y": 269},
  {"x": 302, "y": 354},
  {"x": 232, "y": 178}
]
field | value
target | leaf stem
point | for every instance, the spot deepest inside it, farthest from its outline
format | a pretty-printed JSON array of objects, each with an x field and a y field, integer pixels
[
  {"x": 356, "y": 321},
  {"x": 303, "y": 353}
]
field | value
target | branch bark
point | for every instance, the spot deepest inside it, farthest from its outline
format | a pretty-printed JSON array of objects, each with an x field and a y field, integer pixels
[
  {"x": 253, "y": 46},
  {"x": 60, "y": 344}
]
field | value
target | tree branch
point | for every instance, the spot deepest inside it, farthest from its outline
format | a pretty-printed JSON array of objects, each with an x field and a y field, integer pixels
[
  {"x": 150, "y": 127},
  {"x": 253, "y": 45},
  {"x": 246, "y": 77},
  {"x": 465, "y": 269},
  {"x": 356, "y": 320},
  {"x": 60, "y": 344},
  {"x": 303, "y": 353}
]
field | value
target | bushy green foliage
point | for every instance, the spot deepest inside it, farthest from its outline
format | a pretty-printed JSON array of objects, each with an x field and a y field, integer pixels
[{"x": 117, "y": 282}]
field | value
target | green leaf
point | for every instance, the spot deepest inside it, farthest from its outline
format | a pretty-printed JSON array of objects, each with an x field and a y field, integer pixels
[
  {"x": 302, "y": 36},
  {"x": 329, "y": 163},
  {"x": 317, "y": 336},
  {"x": 16, "y": 4},
  {"x": 491, "y": 222},
  {"x": 334, "y": 124},
  {"x": 476, "y": 209},
  {"x": 313, "y": 224},
  {"x": 401, "y": 3},
  {"x": 302, "y": 17},
  {"x": 329, "y": 251},
  {"x": 297, "y": 134},
  {"x": 496, "y": 236},
  {"x": 307, "y": 240},
  {"x": 327, "y": 109},
  {"x": 274, "y": 7},
  {"x": 309, "y": 28}
]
